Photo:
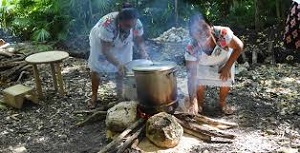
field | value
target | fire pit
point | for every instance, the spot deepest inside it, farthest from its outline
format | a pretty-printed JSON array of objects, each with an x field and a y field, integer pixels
[{"x": 156, "y": 88}]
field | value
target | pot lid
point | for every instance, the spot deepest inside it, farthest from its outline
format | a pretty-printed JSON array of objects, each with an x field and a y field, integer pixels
[
  {"x": 137, "y": 62},
  {"x": 156, "y": 66}
]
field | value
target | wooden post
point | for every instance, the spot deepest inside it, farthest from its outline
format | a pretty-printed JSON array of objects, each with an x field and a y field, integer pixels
[
  {"x": 54, "y": 76},
  {"x": 59, "y": 79},
  {"x": 37, "y": 81}
]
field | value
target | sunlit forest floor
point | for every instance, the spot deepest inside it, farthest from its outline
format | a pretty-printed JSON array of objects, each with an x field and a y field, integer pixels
[{"x": 266, "y": 98}]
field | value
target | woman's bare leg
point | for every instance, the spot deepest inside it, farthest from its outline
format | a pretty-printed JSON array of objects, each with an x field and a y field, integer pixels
[
  {"x": 95, "y": 85},
  {"x": 222, "y": 101},
  {"x": 223, "y": 95},
  {"x": 200, "y": 96},
  {"x": 119, "y": 84}
]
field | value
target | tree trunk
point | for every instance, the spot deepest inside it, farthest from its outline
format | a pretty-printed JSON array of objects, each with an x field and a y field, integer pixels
[
  {"x": 278, "y": 10},
  {"x": 176, "y": 12},
  {"x": 258, "y": 24}
]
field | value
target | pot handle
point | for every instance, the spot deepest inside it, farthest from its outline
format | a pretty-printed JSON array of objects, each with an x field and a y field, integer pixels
[{"x": 172, "y": 72}]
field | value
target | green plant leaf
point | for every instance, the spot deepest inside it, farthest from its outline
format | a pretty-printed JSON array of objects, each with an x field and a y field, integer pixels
[{"x": 41, "y": 35}]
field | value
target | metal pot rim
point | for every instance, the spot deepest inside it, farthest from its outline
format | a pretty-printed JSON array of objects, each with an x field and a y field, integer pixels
[{"x": 156, "y": 66}]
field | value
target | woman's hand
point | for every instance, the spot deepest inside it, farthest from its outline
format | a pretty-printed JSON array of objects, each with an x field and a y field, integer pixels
[
  {"x": 121, "y": 69},
  {"x": 144, "y": 55},
  {"x": 225, "y": 73}
]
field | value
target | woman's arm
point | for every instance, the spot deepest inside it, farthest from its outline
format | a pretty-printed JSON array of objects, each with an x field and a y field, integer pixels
[
  {"x": 106, "y": 47},
  {"x": 237, "y": 45},
  {"x": 192, "y": 87},
  {"x": 191, "y": 67},
  {"x": 141, "y": 46}
]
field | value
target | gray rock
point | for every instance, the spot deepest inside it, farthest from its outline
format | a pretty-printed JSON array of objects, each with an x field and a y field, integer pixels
[
  {"x": 120, "y": 116},
  {"x": 163, "y": 130}
]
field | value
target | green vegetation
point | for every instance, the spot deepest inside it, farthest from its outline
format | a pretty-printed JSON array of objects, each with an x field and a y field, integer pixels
[{"x": 55, "y": 20}]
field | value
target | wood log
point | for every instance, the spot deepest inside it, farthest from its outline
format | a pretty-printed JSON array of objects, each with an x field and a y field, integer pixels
[
  {"x": 10, "y": 72},
  {"x": 205, "y": 129},
  {"x": 129, "y": 140},
  {"x": 6, "y": 54},
  {"x": 25, "y": 68},
  {"x": 188, "y": 128},
  {"x": 213, "y": 131},
  {"x": 117, "y": 140},
  {"x": 210, "y": 121},
  {"x": 203, "y": 119},
  {"x": 198, "y": 135},
  {"x": 10, "y": 64}
]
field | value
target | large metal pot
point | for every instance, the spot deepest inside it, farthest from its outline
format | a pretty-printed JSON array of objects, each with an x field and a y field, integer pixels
[
  {"x": 156, "y": 87},
  {"x": 129, "y": 85}
]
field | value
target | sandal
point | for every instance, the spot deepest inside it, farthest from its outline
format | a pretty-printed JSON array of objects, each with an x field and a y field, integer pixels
[{"x": 227, "y": 110}]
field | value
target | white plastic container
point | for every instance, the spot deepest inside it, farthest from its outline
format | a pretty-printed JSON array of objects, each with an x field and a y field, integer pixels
[{"x": 129, "y": 84}]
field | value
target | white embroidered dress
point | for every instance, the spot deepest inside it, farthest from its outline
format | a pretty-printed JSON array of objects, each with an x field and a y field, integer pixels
[
  {"x": 209, "y": 65},
  {"x": 106, "y": 29}
]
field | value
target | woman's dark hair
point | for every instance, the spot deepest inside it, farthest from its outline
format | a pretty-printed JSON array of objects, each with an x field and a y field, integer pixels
[
  {"x": 127, "y": 12},
  {"x": 196, "y": 18}
]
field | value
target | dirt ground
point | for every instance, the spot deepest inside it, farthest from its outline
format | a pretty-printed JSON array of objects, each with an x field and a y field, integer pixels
[{"x": 266, "y": 98}]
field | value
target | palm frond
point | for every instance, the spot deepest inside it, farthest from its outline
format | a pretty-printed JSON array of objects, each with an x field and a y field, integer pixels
[{"x": 41, "y": 35}]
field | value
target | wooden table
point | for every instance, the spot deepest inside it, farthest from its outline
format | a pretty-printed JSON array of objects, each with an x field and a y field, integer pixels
[{"x": 54, "y": 58}]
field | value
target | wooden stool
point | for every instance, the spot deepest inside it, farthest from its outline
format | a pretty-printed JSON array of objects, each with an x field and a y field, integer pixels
[
  {"x": 54, "y": 58},
  {"x": 15, "y": 95}
]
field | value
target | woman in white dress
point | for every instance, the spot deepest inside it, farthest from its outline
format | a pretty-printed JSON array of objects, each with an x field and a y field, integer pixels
[
  {"x": 111, "y": 42},
  {"x": 210, "y": 58}
]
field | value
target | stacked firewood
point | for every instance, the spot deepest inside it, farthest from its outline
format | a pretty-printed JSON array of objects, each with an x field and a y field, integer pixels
[
  {"x": 202, "y": 127},
  {"x": 205, "y": 128},
  {"x": 12, "y": 64}
]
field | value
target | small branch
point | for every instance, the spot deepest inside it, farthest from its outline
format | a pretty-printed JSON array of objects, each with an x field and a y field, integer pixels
[
  {"x": 97, "y": 115},
  {"x": 89, "y": 112}
]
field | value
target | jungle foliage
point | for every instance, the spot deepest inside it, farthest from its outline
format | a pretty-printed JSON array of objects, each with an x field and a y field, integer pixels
[{"x": 45, "y": 20}]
